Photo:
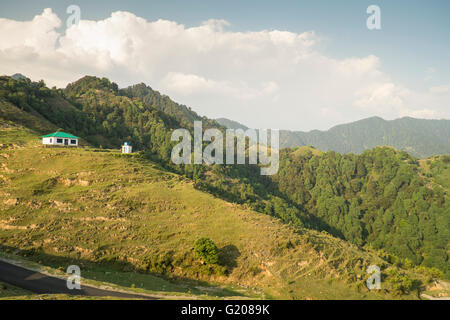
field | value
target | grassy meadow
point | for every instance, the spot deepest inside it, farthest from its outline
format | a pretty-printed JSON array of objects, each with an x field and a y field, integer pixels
[{"x": 130, "y": 225}]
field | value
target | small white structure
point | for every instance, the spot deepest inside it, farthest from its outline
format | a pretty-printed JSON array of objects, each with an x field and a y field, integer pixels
[
  {"x": 60, "y": 139},
  {"x": 127, "y": 148}
]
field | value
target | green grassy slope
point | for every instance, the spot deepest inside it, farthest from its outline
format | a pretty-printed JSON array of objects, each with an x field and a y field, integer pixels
[
  {"x": 9, "y": 291},
  {"x": 39, "y": 183},
  {"x": 112, "y": 214},
  {"x": 11, "y": 114}
]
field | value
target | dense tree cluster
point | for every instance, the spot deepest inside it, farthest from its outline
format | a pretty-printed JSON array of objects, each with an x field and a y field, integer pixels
[
  {"x": 206, "y": 250},
  {"x": 119, "y": 118},
  {"x": 49, "y": 104},
  {"x": 150, "y": 97},
  {"x": 376, "y": 198}
]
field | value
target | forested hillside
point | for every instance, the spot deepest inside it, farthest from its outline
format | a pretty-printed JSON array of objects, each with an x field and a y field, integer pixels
[
  {"x": 93, "y": 109},
  {"x": 378, "y": 198},
  {"x": 150, "y": 97},
  {"x": 230, "y": 124},
  {"x": 382, "y": 199}
]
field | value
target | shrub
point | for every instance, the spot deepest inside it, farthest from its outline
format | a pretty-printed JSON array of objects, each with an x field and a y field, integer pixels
[
  {"x": 399, "y": 282},
  {"x": 254, "y": 270},
  {"x": 408, "y": 264},
  {"x": 206, "y": 250},
  {"x": 431, "y": 272}
]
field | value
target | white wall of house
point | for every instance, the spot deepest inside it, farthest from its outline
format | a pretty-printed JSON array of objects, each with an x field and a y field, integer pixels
[
  {"x": 127, "y": 149},
  {"x": 55, "y": 141},
  {"x": 47, "y": 140}
]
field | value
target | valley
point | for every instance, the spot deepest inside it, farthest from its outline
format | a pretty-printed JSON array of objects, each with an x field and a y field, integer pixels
[{"x": 130, "y": 221}]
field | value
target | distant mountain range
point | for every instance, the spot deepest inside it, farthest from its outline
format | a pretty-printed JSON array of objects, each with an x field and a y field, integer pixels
[
  {"x": 18, "y": 76},
  {"x": 419, "y": 137},
  {"x": 230, "y": 124}
]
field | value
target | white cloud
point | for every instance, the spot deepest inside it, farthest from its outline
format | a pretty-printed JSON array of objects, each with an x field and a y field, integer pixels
[
  {"x": 276, "y": 79},
  {"x": 423, "y": 113},
  {"x": 38, "y": 34},
  {"x": 384, "y": 96},
  {"x": 191, "y": 84},
  {"x": 440, "y": 89}
]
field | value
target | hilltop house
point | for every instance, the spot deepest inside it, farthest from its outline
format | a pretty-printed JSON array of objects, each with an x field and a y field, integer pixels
[
  {"x": 127, "y": 148},
  {"x": 60, "y": 139}
]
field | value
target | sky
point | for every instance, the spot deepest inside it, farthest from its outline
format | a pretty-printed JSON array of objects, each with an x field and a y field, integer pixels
[{"x": 297, "y": 65}]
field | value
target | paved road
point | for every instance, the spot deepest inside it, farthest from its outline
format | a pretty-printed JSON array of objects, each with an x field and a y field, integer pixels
[
  {"x": 433, "y": 298},
  {"x": 43, "y": 284}
]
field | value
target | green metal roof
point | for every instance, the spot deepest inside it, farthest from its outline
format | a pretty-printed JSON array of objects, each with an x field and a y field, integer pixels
[{"x": 60, "y": 135}]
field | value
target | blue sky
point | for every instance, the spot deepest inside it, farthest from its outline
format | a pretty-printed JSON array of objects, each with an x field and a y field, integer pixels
[{"x": 412, "y": 47}]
